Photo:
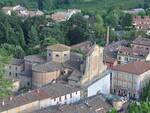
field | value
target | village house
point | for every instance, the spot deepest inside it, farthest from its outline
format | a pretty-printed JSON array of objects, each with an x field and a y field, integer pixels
[
  {"x": 129, "y": 79},
  {"x": 141, "y": 43},
  {"x": 8, "y": 10},
  {"x": 13, "y": 69},
  {"x": 141, "y": 23},
  {"x": 110, "y": 62},
  {"x": 50, "y": 95},
  {"x": 21, "y": 11},
  {"x": 64, "y": 15},
  {"x": 126, "y": 55},
  {"x": 111, "y": 50},
  {"x": 95, "y": 104}
]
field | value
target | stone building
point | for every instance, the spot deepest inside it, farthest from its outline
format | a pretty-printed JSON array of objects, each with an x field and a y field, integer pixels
[
  {"x": 126, "y": 55},
  {"x": 142, "y": 44},
  {"x": 91, "y": 66},
  {"x": 141, "y": 23},
  {"x": 129, "y": 79},
  {"x": 76, "y": 65},
  {"x": 13, "y": 69},
  {"x": 50, "y": 95},
  {"x": 96, "y": 104}
]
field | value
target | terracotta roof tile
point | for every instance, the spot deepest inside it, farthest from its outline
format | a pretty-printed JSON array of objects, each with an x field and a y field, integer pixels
[
  {"x": 59, "y": 48},
  {"x": 137, "y": 67}
]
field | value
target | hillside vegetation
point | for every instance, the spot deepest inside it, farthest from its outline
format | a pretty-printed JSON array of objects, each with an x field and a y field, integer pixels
[
  {"x": 94, "y": 5},
  {"x": 101, "y": 5}
]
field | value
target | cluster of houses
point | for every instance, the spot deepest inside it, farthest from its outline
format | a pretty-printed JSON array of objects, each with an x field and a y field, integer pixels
[
  {"x": 71, "y": 74},
  {"x": 78, "y": 78},
  {"x": 21, "y": 11},
  {"x": 58, "y": 16}
]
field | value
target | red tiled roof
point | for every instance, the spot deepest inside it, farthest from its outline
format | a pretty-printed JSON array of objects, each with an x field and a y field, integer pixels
[{"x": 137, "y": 67}]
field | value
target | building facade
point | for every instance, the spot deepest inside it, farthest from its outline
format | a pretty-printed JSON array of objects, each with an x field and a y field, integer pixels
[
  {"x": 53, "y": 94},
  {"x": 129, "y": 79}
]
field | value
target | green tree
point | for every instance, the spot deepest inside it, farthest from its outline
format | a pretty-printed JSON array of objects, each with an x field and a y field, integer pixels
[
  {"x": 49, "y": 41},
  {"x": 113, "y": 16},
  {"x": 113, "y": 110},
  {"x": 126, "y": 20},
  {"x": 33, "y": 37},
  {"x": 5, "y": 85},
  {"x": 14, "y": 50},
  {"x": 148, "y": 11}
]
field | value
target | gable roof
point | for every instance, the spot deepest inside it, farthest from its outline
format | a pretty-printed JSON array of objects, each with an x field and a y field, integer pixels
[
  {"x": 142, "y": 41},
  {"x": 59, "y": 48},
  {"x": 137, "y": 67},
  {"x": 132, "y": 52}
]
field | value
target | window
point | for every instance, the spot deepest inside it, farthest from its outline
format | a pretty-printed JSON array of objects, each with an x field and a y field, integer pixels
[
  {"x": 16, "y": 68},
  {"x": 126, "y": 58},
  {"x": 114, "y": 91},
  {"x": 9, "y": 73},
  {"x": 70, "y": 95},
  {"x": 28, "y": 83},
  {"x": 119, "y": 58},
  {"x": 65, "y": 54},
  {"x": 49, "y": 54},
  {"x": 57, "y": 55},
  {"x": 65, "y": 97},
  {"x": 9, "y": 67},
  {"x": 16, "y": 74}
]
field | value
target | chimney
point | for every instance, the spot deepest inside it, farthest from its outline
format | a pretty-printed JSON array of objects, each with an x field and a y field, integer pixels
[
  {"x": 3, "y": 103},
  {"x": 107, "y": 41}
]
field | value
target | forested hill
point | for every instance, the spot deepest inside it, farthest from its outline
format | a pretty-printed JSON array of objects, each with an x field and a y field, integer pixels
[
  {"x": 96, "y": 5},
  {"x": 32, "y": 35}
]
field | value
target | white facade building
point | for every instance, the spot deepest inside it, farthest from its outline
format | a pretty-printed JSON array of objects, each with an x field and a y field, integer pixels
[
  {"x": 53, "y": 94},
  {"x": 101, "y": 85}
]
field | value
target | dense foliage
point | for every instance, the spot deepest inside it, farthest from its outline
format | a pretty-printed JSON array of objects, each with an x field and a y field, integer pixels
[
  {"x": 5, "y": 85},
  {"x": 143, "y": 107},
  {"x": 145, "y": 96},
  {"x": 29, "y": 36}
]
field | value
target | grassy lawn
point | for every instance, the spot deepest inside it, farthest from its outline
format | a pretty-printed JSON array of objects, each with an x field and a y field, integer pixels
[{"x": 100, "y": 5}]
